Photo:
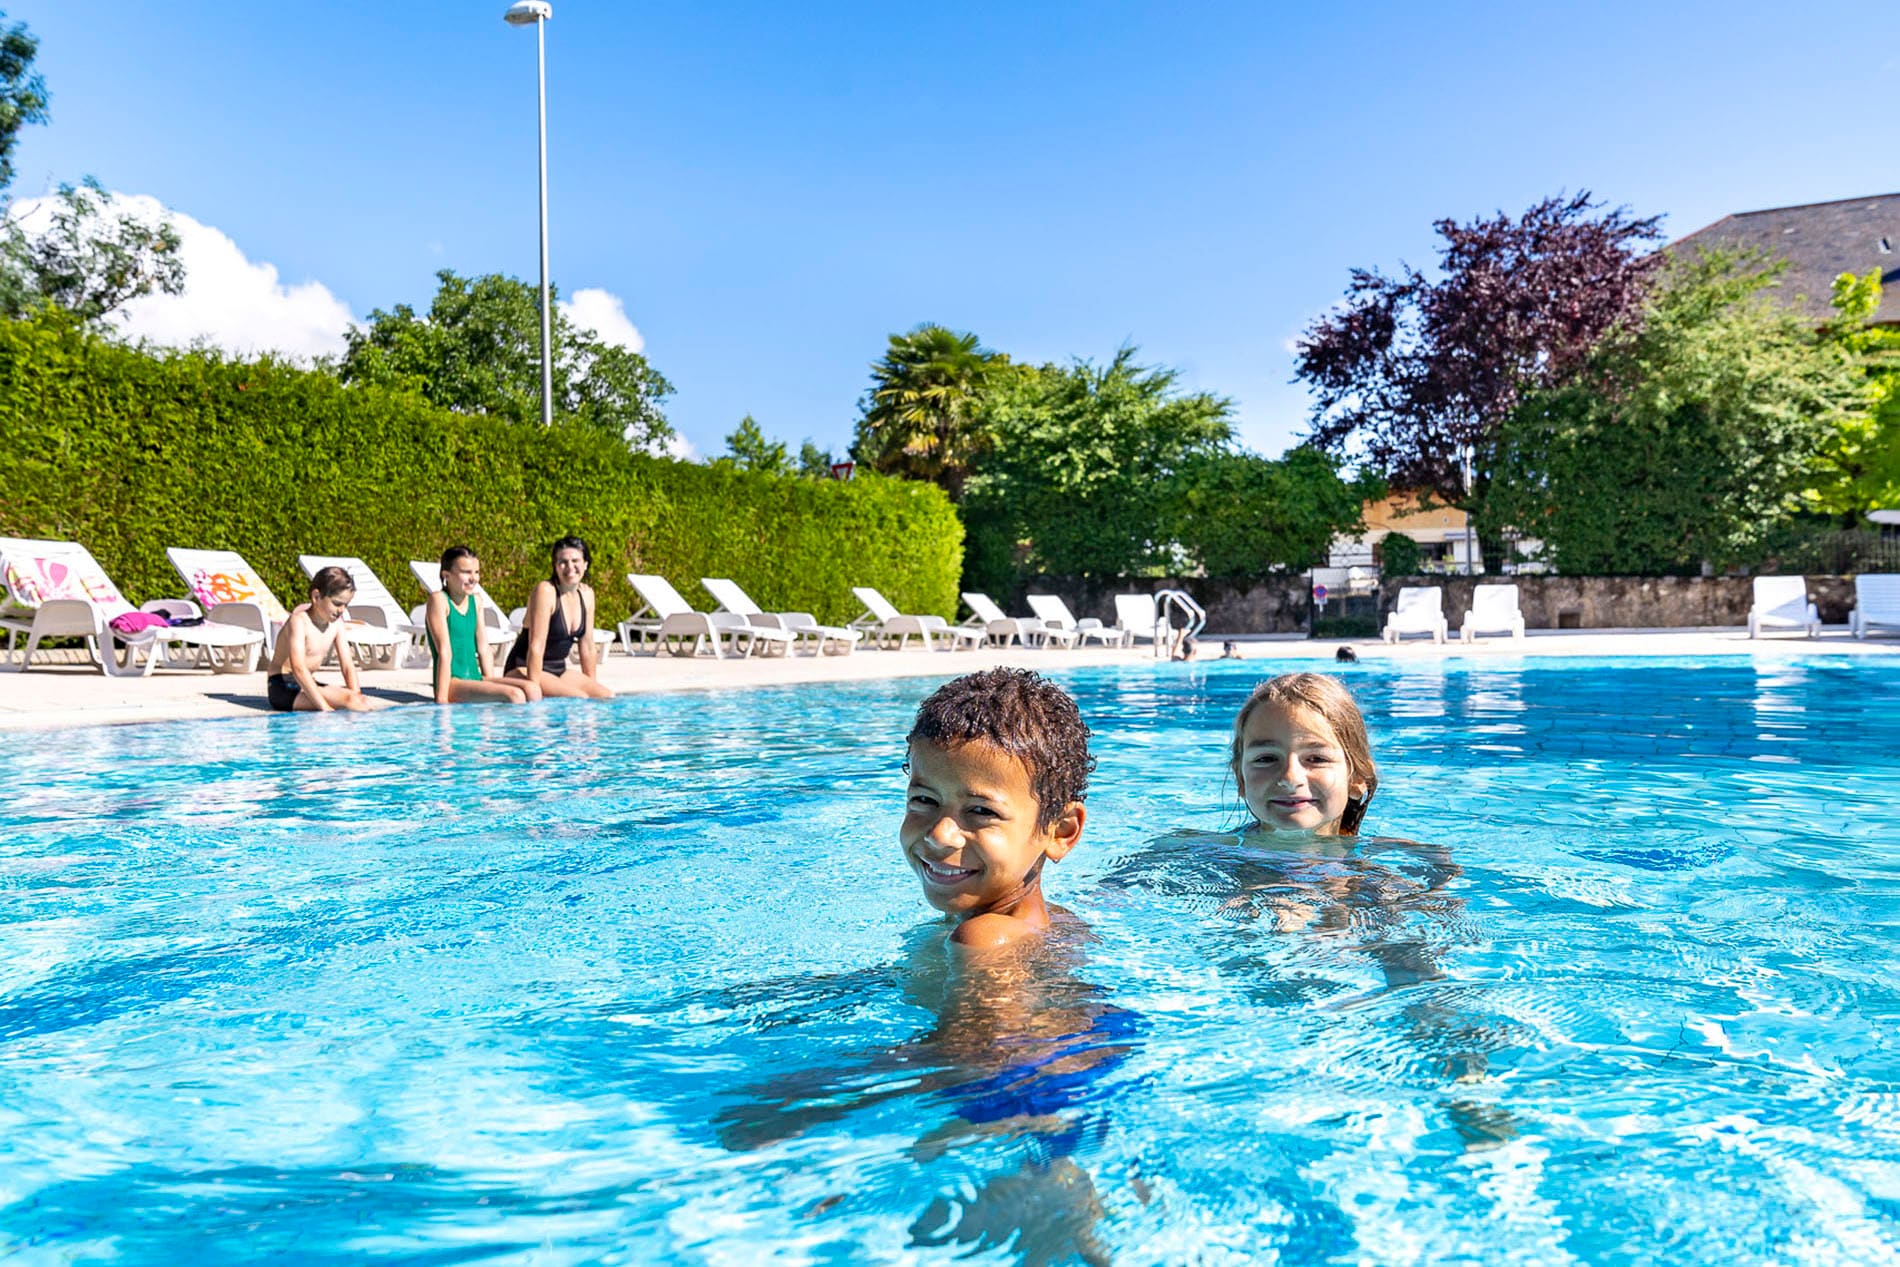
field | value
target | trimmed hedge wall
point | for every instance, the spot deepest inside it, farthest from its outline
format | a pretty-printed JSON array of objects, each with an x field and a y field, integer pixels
[{"x": 130, "y": 453}]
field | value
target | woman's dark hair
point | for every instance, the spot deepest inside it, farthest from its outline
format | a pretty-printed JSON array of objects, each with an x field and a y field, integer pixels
[
  {"x": 568, "y": 543},
  {"x": 454, "y": 555},
  {"x": 1024, "y": 714},
  {"x": 332, "y": 582}
]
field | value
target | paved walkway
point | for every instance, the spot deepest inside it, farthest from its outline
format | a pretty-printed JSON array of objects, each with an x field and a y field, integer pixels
[{"x": 62, "y": 690}]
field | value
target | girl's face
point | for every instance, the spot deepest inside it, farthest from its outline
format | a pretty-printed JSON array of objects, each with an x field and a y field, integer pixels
[
  {"x": 569, "y": 567},
  {"x": 462, "y": 578},
  {"x": 1293, "y": 773}
]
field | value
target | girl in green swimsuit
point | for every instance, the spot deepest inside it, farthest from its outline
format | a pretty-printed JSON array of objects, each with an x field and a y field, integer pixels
[{"x": 466, "y": 673}]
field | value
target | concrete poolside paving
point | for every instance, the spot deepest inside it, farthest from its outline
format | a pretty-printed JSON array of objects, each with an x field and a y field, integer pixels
[{"x": 63, "y": 690}]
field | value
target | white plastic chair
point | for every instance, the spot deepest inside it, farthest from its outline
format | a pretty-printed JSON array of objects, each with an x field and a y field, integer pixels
[
  {"x": 1876, "y": 603},
  {"x": 824, "y": 638},
  {"x": 1781, "y": 602},
  {"x": 1421, "y": 609},
  {"x": 1138, "y": 618},
  {"x": 56, "y": 589},
  {"x": 1493, "y": 610},
  {"x": 881, "y": 620},
  {"x": 230, "y": 591},
  {"x": 1058, "y": 623},
  {"x": 670, "y": 620},
  {"x": 987, "y": 616}
]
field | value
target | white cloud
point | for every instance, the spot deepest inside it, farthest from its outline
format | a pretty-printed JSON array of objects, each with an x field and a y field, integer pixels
[
  {"x": 602, "y": 312},
  {"x": 229, "y": 300},
  {"x": 679, "y": 448}
]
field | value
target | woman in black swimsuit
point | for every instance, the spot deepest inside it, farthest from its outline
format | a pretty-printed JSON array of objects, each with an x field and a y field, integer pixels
[{"x": 560, "y": 617}]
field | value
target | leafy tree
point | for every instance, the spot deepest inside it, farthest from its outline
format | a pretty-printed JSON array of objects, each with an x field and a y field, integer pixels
[
  {"x": 814, "y": 462},
  {"x": 923, "y": 418},
  {"x": 478, "y": 351},
  {"x": 1857, "y": 468},
  {"x": 1079, "y": 479},
  {"x": 88, "y": 260},
  {"x": 1681, "y": 440},
  {"x": 748, "y": 449},
  {"x": 1244, "y": 516},
  {"x": 1419, "y": 370},
  {"x": 22, "y": 91}
]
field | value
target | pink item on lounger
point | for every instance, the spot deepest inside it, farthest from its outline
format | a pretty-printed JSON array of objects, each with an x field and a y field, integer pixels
[{"x": 139, "y": 622}]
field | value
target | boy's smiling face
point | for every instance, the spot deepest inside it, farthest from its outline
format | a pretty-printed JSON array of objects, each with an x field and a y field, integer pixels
[{"x": 970, "y": 830}]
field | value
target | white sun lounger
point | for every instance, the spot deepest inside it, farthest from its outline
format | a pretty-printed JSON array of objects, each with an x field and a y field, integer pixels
[
  {"x": 1493, "y": 610},
  {"x": 230, "y": 591},
  {"x": 1421, "y": 609},
  {"x": 388, "y": 633},
  {"x": 882, "y": 621},
  {"x": 56, "y": 589},
  {"x": 1137, "y": 616},
  {"x": 497, "y": 629},
  {"x": 1781, "y": 602},
  {"x": 1876, "y": 603},
  {"x": 669, "y": 620},
  {"x": 823, "y": 638},
  {"x": 987, "y": 616},
  {"x": 1059, "y": 624}
]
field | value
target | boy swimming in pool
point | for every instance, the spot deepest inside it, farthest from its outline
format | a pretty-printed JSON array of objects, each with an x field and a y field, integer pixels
[{"x": 999, "y": 765}]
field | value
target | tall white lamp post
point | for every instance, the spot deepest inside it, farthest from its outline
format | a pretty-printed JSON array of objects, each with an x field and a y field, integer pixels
[{"x": 535, "y": 13}]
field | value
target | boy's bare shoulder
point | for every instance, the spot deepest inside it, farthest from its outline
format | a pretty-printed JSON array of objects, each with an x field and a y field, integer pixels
[{"x": 989, "y": 931}]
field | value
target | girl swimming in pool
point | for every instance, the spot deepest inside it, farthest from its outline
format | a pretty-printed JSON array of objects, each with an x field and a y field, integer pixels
[{"x": 1301, "y": 759}]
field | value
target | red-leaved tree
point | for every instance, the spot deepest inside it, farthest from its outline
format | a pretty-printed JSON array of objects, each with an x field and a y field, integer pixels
[{"x": 1419, "y": 370}]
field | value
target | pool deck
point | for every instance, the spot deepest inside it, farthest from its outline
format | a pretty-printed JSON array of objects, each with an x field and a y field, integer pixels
[{"x": 63, "y": 690}]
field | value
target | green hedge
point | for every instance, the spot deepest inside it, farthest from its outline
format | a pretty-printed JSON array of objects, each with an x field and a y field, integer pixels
[{"x": 130, "y": 453}]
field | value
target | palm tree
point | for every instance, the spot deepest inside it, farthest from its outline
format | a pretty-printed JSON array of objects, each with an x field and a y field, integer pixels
[{"x": 923, "y": 417}]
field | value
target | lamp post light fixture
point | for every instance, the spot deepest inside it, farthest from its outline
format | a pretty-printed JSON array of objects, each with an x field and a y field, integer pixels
[{"x": 535, "y": 13}]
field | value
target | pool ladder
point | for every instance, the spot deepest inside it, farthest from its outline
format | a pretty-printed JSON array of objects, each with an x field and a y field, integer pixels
[{"x": 1166, "y": 603}]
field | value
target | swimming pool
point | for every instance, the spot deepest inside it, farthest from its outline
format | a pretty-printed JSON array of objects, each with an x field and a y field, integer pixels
[{"x": 644, "y": 982}]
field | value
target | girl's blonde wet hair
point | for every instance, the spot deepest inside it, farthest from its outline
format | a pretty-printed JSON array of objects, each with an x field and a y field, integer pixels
[{"x": 1328, "y": 697}]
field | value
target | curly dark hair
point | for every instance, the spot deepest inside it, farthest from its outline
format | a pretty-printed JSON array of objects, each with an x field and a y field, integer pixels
[{"x": 1024, "y": 714}]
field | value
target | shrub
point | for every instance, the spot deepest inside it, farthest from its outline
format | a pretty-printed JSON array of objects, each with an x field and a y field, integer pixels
[
  {"x": 131, "y": 452},
  {"x": 1399, "y": 555}
]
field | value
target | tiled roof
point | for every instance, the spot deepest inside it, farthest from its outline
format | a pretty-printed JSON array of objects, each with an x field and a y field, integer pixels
[{"x": 1820, "y": 241}]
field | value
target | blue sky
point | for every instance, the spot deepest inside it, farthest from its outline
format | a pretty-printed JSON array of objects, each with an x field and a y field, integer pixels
[{"x": 770, "y": 190}]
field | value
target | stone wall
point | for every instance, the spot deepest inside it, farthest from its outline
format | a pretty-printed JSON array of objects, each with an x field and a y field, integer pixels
[
  {"x": 1280, "y": 604},
  {"x": 1272, "y": 606},
  {"x": 1625, "y": 602}
]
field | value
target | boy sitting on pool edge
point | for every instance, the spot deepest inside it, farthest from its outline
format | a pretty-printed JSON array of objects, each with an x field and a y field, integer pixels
[
  {"x": 999, "y": 765},
  {"x": 315, "y": 630}
]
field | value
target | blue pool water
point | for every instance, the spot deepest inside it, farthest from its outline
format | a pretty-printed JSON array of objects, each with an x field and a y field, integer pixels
[{"x": 649, "y": 982}]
